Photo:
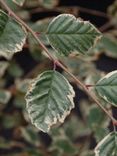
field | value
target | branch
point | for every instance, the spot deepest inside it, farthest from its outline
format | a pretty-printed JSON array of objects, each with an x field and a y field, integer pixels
[
  {"x": 79, "y": 8},
  {"x": 57, "y": 62}
]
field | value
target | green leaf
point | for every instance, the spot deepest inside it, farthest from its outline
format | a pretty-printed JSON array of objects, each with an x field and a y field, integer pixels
[
  {"x": 108, "y": 146},
  {"x": 67, "y": 34},
  {"x": 39, "y": 26},
  {"x": 49, "y": 99},
  {"x": 19, "y": 2},
  {"x": 6, "y": 55},
  {"x": 72, "y": 124},
  {"x": 107, "y": 88},
  {"x": 88, "y": 153},
  {"x": 19, "y": 101},
  {"x": 108, "y": 44},
  {"x": 22, "y": 85},
  {"x": 66, "y": 146},
  {"x": 12, "y": 5},
  {"x": 4, "y": 96},
  {"x": 12, "y": 35},
  {"x": 98, "y": 123},
  {"x": 96, "y": 118},
  {"x": 3, "y": 67},
  {"x": 30, "y": 135},
  {"x": 48, "y": 3},
  {"x": 34, "y": 152},
  {"x": 9, "y": 122},
  {"x": 15, "y": 70}
]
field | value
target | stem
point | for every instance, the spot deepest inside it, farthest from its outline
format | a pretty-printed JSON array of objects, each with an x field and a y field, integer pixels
[
  {"x": 57, "y": 62},
  {"x": 79, "y": 8},
  {"x": 89, "y": 86},
  {"x": 105, "y": 26}
]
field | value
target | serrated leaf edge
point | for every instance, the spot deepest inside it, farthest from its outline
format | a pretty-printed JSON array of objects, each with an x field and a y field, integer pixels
[
  {"x": 106, "y": 77},
  {"x": 75, "y": 52},
  {"x": 59, "y": 119},
  {"x": 97, "y": 152}
]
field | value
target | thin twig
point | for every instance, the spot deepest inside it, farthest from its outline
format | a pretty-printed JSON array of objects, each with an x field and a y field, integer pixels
[
  {"x": 57, "y": 62},
  {"x": 105, "y": 26},
  {"x": 81, "y": 9}
]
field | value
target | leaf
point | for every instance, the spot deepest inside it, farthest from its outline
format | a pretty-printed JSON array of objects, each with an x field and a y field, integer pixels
[
  {"x": 112, "y": 12},
  {"x": 12, "y": 5},
  {"x": 108, "y": 44},
  {"x": 39, "y": 26},
  {"x": 19, "y": 101},
  {"x": 12, "y": 35},
  {"x": 3, "y": 67},
  {"x": 19, "y": 2},
  {"x": 67, "y": 34},
  {"x": 72, "y": 124},
  {"x": 107, "y": 88},
  {"x": 49, "y": 99},
  {"x": 30, "y": 135},
  {"x": 96, "y": 118},
  {"x": 48, "y": 3},
  {"x": 7, "y": 55},
  {"x": 108, "y": 146},
  {"x": 33, "y": 152},
  {"x": 4, "y": 96},
  {"x": 9, "y": 122},
  {"x": 22, "y": 85},
  {"x": 15, "y": 70},
  {"x": 66, "y": 146},
  {"x": 98, "y": 123},
  {"x": 88, "y": 153}
]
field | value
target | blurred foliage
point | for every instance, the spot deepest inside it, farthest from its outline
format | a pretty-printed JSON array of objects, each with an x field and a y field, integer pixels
[{"x": 81, "y": 130}]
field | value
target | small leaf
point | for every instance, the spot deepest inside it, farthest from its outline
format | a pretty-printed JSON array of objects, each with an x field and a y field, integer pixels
[
  {"x": 22, "y": 85},
  {"x": 3, "y": 67},
  {"x": 49, "y": 99},
  {"x": 48, "y": 3},
  {"x": 107, "y": 87},
  {"x": 30, "y": 135},
  {"x": 4, "y": 96},
  {"x": 15, "y": 70},
  {"x": 98, "y": 123},
  {"x": 108, "y": 146},
  {"x": 33, "y": 152},
  {"x": 9, "y": 122},
  {"x": 96, "y": 118},
  {"x": 66, "y": 146},
  {"x": 68, "y": 34},
  {"x": 108, "y": 44},
  {"x": 7, "y": 55},
  {"x": 72, "y": 124},
  {"x": 19, "y": 101},
  {"x": 19, "y": 2},
  {"x": 12, "y": 35}
]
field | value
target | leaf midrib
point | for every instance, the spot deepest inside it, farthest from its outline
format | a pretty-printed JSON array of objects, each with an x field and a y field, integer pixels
[
  {"x": 49, "y": 92},
  {"x": 115, "y": 85},
  {"x": 72, "y": 34}
]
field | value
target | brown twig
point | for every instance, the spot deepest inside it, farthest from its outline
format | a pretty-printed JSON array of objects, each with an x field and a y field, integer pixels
[
  {"x": 81, "y": 9},
  {"x": 105, "y": 26},
  {"x": 57, "y": 62}
]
